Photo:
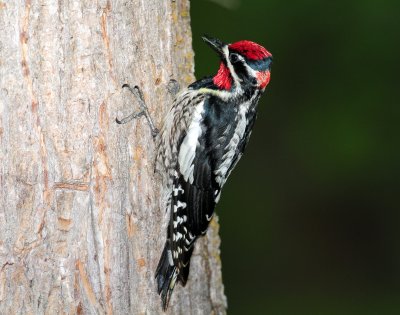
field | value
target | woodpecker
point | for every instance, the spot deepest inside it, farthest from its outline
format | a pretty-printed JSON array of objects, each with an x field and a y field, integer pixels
[{"x": 203, "y": 137}]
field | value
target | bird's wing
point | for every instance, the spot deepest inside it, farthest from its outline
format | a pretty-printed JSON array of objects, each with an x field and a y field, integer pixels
[
  {"x": 174, "y": 129},
  {"x": 193, "y": 190}
]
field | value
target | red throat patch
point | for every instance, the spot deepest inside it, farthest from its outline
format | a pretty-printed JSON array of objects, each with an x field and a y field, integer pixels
[
  {"x": 263, "y": 78},
  {"x": 223, "y": 78}
]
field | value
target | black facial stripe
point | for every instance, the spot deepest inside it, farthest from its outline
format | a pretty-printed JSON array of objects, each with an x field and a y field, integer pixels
[
  {"x": 242, "y": 72},
  {"x": 260, "y": 65},
  {"x": 240, "y": 69}
]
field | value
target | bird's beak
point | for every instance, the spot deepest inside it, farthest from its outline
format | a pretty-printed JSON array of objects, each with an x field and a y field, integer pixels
[{"x": 215, "y": 44}]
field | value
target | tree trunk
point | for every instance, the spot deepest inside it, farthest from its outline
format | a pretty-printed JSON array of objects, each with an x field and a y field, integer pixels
[{"x": 81, "y": 225}]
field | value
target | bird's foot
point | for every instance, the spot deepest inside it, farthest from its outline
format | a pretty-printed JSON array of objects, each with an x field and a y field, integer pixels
[{"x": 144, "y": 110}]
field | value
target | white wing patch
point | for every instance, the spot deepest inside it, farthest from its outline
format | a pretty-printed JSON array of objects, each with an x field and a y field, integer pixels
[
  {"x": 178, "y": 190},
  {"x": 188, "y": 147},
  {"x": 180, "y": 204}
]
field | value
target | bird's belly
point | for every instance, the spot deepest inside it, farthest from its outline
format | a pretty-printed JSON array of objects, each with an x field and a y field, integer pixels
[{"x": 231, "y": 153}]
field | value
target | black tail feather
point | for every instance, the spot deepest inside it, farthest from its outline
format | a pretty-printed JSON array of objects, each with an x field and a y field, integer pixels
[{"x": 166, "y": 275}]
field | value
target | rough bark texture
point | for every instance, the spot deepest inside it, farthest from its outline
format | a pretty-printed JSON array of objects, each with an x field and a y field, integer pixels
[{"x": 81, "y": 228}]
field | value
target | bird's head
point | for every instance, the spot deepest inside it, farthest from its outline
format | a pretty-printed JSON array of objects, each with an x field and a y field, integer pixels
[{"x": 243, "y": 64}]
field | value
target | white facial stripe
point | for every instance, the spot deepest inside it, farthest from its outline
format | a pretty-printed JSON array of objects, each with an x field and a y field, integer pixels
[
  {"x": 240, "y": 58},
  {"x": 230, "y": 67},
  {"x": 251, "y": 71}
]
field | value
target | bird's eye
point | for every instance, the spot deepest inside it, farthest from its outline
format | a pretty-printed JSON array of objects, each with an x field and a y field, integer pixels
[{"x": 234, "y": 58}]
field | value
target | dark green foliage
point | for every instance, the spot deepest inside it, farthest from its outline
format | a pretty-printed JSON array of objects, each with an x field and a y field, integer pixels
[{"x": 310, "y": 218}]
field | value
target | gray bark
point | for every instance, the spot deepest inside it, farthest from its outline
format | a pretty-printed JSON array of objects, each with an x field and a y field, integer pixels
[{"x": 81, "y": 226}]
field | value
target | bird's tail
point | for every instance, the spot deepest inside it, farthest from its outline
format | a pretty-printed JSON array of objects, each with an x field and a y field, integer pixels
[{"x": 166, "y": 275}]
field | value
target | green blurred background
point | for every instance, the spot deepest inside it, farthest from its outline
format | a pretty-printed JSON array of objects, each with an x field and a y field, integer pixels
[{"x": 310, "y": 219}]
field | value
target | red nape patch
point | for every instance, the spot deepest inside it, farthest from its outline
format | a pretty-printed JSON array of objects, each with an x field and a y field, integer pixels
[
  {"x": 223, "y": 78},
  {"x": 263, "y": 78},
  {"x": 250, "y": 50}
]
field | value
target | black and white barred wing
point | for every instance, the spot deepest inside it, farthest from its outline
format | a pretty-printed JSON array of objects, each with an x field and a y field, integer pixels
[
  {"x": 188, "y": 194},
  {"x": 174, "y": 130},
  {"x": 193, "y": 192}
]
